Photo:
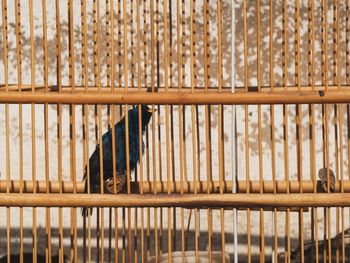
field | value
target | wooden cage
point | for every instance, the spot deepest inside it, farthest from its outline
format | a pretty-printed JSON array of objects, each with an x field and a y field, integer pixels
[{"x": 246, "y": 159}]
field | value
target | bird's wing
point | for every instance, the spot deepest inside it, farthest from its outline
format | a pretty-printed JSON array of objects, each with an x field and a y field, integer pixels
[
  {"x": 107, "y": 154},
  {"x": 94, "y": 161}
]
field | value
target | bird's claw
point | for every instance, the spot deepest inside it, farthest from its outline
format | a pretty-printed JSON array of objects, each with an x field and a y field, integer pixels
[{"x": 109, "y": 185}]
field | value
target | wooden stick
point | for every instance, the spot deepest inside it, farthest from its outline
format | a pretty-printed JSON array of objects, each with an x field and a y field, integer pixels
[
  {"x": 176, "y": 200},
  {"x": 199, "y": 98}
]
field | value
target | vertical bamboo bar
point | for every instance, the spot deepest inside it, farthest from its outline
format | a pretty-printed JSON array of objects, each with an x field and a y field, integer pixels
[
  {"x": 285, "y": 125},
  {"x": 193, "y": 117},
  {"x": 160, "y": 158},
  {"x": 120, "y": 67},
  {"x": 84, "y": 56},
  {"x": 133, "y": 59},
  {"x": 272, "y": 128},
  {"x": 8, "y": 175},
  {"x": 337, "y": 108},
  {"x": 323, "y": 78},
  {"x": 132, "y": 71},
  {"x": 5, "y": 52},
  {"x": 206, "y": 38},
  {"x": 179, "y": 21},
  {"x": 340, "y": 119},
  {"x": 73, "y": 233},
  {"x": 154, "y": 178},
  {"x": 84, "y": 77},
  {"x": 334, "y": 44},
  {"x": 139, "y": 83},
  {"x": 20, "y": 118},
  {"x": 87, "y": 166},
  {"x": 196, "y": 135},
  {"x": 262, "y": 241},
  {"x": 167, "y": 134},
  {"x": 183, "y": 71},
  {"x": 299, "y": 122},
  {"x": 329, "y": 233},
  {"x": 132, "y": 47},
  {"x": 143, "y": 256},
  {"x": 246, "y": 122},
  {"x": 220, "y": 129},
  {"x": 46, "y": 119},
  {"x": 59, "y": 129},
  {"x": 157, "y": 236},
  {"x": 110, "y": 76},
  {"x": 182, "y": 116},
  {"x": 311, "y": 81},
  {"x": 85, "y": 118},
  {"x": 119, "y": 43},
  {"x": 336, "y": 140},
  {"x": 101, "y": 175},
  {"x": 32, "y": 60},
  {"x": 347, "y": 75},
  {"x": 126, "y": 76},
  {"x": 100, "y": 128},
  {"x": 108, "y": 47},
  {"x": 148, "y": 253},
  {"x": 327, "y": 211},
  {"x": 109, "y": 121},
  {"x": 341, "y": 159},
  {"x": 116, "y": 254},
  {"x": 96, "y": 7},
  {"x": 234, "y": 157},
  {"x": 171, "y": 73}
]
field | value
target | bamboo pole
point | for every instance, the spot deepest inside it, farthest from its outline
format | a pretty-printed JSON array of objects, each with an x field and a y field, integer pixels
[
  {"x": 177, "y": 200},
  {"x": 47, "y": 150},
  {"x": 20, "y": 118},
  {"x": 59, "y": 126},
  {"x": 196, "y": 98}
]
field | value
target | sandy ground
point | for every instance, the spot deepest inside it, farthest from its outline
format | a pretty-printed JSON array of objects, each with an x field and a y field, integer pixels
[{"x": 161, "y": 166}]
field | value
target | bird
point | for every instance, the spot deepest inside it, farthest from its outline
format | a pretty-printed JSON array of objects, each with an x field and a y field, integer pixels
[{"x": 120, "y": 152}]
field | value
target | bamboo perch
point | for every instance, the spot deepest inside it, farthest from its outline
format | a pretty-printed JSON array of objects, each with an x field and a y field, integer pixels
[
  {"x": 198, "y": 98},
  {"x": 188, "y": 187},
  {"x": 176, "y": 200}
]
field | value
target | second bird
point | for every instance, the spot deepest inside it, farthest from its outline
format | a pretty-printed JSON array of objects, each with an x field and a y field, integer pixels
[{"x": 120, "y": 152}]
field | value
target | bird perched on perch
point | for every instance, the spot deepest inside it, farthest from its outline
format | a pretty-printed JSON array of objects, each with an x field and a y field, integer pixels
[{"x": 120, "y": 152}]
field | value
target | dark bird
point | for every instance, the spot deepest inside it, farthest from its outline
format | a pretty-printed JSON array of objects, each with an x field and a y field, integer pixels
[{"x": 120, "y": 152}]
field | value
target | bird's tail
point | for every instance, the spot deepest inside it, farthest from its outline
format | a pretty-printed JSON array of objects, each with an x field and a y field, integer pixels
[{"x": 84, "y": 210}]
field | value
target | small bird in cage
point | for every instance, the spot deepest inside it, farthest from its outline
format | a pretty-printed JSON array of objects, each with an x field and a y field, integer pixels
[{"x": 120, "y": 152}]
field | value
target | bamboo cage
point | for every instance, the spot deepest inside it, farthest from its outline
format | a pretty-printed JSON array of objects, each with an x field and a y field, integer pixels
[{"x": 246, "y": 158}]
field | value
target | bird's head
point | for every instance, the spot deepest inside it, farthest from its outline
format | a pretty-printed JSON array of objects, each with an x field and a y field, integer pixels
[{"x": 146, "y": 114}]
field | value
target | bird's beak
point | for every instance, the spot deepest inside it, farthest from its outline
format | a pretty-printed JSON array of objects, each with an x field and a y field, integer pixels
[{"x": 152, "y": 110}]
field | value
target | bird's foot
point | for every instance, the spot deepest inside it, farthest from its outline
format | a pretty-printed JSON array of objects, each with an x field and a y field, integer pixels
[{"x": 109, "y": 185}]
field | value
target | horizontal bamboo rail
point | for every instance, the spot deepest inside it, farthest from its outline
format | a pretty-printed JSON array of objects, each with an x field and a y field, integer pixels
[
  {"x": 176, "y": 200},
  {"x": 175, "y": 98},
  {"x": 171, "y": 89},
  {"x": 188, "y": 187}
]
